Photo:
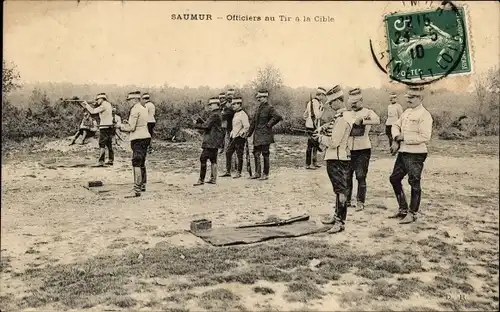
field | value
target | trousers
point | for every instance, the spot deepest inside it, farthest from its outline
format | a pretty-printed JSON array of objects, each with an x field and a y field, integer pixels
[
  {"x": 411, "y": 164},
  {"x": 360, "y": 160}
]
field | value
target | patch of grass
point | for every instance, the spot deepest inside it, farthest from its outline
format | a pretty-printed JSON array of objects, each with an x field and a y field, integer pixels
[
  {"x": 372, "y": 274},
  {"x": 383, "y": 233},
  {"x": 217, "y": 299},
  {"x": 434, "y": 246},
  {"x": 303, "y": 292},
  {"x": 403, "y": 288},
  {"x": 121, "y": 301},
  {"x": 263, "y": 290}
]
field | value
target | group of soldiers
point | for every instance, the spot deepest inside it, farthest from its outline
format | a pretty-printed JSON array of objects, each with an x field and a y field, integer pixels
[
  {"x": 346, "y": 137},
  {"x": 228, "y": 128},
  {"x": 349, "y": 148}
]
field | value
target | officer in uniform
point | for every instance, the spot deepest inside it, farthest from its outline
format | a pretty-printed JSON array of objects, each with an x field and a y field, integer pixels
[
  {"x": 146, "y": 101},
  {"x": 337, "y": 159},
  {"x": 88, "y": 128},
  {"x": 140, "y": 139},
  {"x": 394, "y": 111},
  {"x": 238, "y": 134},
  {"x": 261, "y": 126},
  {"x": 411, "y": 133},
  {"x": 212, "y": 141},
  {"x": 312, "y": 115},
  {"x": 106, "y": 130},
  {"x": 360, "y": 146}
]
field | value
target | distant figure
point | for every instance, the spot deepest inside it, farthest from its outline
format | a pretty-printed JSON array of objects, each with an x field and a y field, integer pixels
[
  {"x": 151, "y": 116},
  {"x": 117, "y": 120},
  {"x": 312, "y": 116},
  {"x": 88, "y": 128},
  {"x": 394, "y": 111}
]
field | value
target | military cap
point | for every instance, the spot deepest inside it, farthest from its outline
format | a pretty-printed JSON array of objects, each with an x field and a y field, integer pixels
[
  {"x": 222, "y": 95},
  {"x": 145, "y": 96},
  {"x": 134, "y": 95},
  {"x": 393, "y": 94},
  {"x": 262, "y": 93},
  {"x": 237, "y": 100},
  {"x": 335, "y": 93},
  {"x": 321, "y": 90},
  {"x": 101, "y": 96},
  {"x": 230, "y": 92},
  {"x": 413, "y": 91},
  {"x": 214, "y": 100},
  {"x": 355, "y": 95}
]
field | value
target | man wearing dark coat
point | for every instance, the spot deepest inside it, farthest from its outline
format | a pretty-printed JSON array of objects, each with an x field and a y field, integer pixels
[
  {"x": 213, "y": 137},
  {"x": 265, "y": 118}
]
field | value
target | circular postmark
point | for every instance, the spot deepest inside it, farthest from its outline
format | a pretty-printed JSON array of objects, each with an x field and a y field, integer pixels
[{"x": 424, "y": 46}]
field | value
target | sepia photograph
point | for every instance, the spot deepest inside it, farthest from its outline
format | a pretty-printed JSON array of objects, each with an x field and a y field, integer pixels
[{"x": 250, "y": 156}]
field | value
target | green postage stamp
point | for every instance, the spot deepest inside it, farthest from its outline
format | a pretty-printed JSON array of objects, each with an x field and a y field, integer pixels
[{"x": 428, "y": 44}]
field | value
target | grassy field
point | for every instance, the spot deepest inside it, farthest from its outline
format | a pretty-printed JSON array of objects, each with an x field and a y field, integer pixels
[{"x": 64, "y": 247}]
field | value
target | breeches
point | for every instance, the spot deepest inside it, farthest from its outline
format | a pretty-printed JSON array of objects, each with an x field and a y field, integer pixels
[
  {"x": 139, "y": 151},
  {"x": 209, "y": 154}
]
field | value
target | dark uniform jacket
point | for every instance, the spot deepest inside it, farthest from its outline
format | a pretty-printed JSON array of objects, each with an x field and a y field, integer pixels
[
  {"x": 227, "y": 116},
  {"x": 262, "y": 124},
  {"x": 213, "y": 136}
]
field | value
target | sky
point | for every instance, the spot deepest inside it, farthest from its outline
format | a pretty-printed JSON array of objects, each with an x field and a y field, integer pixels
[{"x": 138, "y": 43}]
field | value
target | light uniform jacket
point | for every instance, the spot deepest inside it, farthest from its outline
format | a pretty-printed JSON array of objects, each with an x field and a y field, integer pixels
[
  {"x": 394, "y": 111},
  {"x": 317, "y": 110},
  {"x": 336, "y": 142},
  {"x": 369, "y": 118},
  {"x": 151, "y": 111},
  {"x": 105, "y": 111},
  {"x": 137, "y": 123},
  {"x": 240, "y": 124},
  {"x": 415, "y": 125}
]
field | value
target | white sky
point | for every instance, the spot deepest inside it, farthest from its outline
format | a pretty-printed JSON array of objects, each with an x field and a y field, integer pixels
[{"x": 137, "y": 43}]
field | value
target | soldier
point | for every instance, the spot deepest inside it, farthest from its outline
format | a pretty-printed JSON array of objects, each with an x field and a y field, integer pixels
[
  {"x": 212, "y": 141},
  {"x": 223, "y": 104},
  {"x": 87, "y": 129},
  {"x": 146, "y": 101},
  {"x": 238, "y": 134},
  {"x": 106, "y": 131},
  {"x": 139, "y": 141},
  {"x": 227, "y": 116},
  {"x": 117, "y": 120},
  {"x": 337, "y": 159},
  {"x": 360, "y": 146},
  {"x": 411, "y": 133},
  {"x": 312, "y": 115},
  {"x": 394, "y": 111},
  {"x": 265, "y": 118}
]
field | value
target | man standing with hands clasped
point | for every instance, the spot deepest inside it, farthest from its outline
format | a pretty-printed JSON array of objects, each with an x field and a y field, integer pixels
[
  {"x": 360, "y": 145},
  {"x": 411, "y": 133},
  {"x": 262, "y": 124},
  {"x": 140, "y": 139},
  {"x": 151, "y": 116}
]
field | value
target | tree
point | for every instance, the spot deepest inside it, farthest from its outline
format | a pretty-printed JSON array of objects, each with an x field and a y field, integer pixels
[
  {"x": 268, "y": 78},
  {"x": 10, "y": 77}
]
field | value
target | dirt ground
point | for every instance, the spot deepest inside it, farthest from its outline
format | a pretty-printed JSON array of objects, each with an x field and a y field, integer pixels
[{"x": 66, "y": 248}]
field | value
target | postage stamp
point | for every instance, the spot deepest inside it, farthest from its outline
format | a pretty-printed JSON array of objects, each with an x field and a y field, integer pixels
[{"x": 428, "y": 44}]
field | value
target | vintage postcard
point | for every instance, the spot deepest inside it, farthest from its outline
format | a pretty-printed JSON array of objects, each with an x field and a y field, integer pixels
[{"x": 250, "y": 156}]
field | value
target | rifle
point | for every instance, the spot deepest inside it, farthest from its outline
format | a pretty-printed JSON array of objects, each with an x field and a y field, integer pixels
[{"x": 247, "y": 155}]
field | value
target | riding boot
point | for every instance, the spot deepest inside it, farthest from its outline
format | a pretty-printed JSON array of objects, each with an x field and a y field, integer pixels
[
  {"x": 203, "y": 172},
  {"x": 403, "y": 205},
  {"x": 257, "y": 167},
  {"x": 213, "y": 175},
  {"x": 144, "y": 179},
  {"x": 266, "y": 167},
  {"x": 136, "y": 192},
  {"x": 102, "y": 156},
  {"x": 315, "y": 158},
  {"x": 416, "y": 195}
]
